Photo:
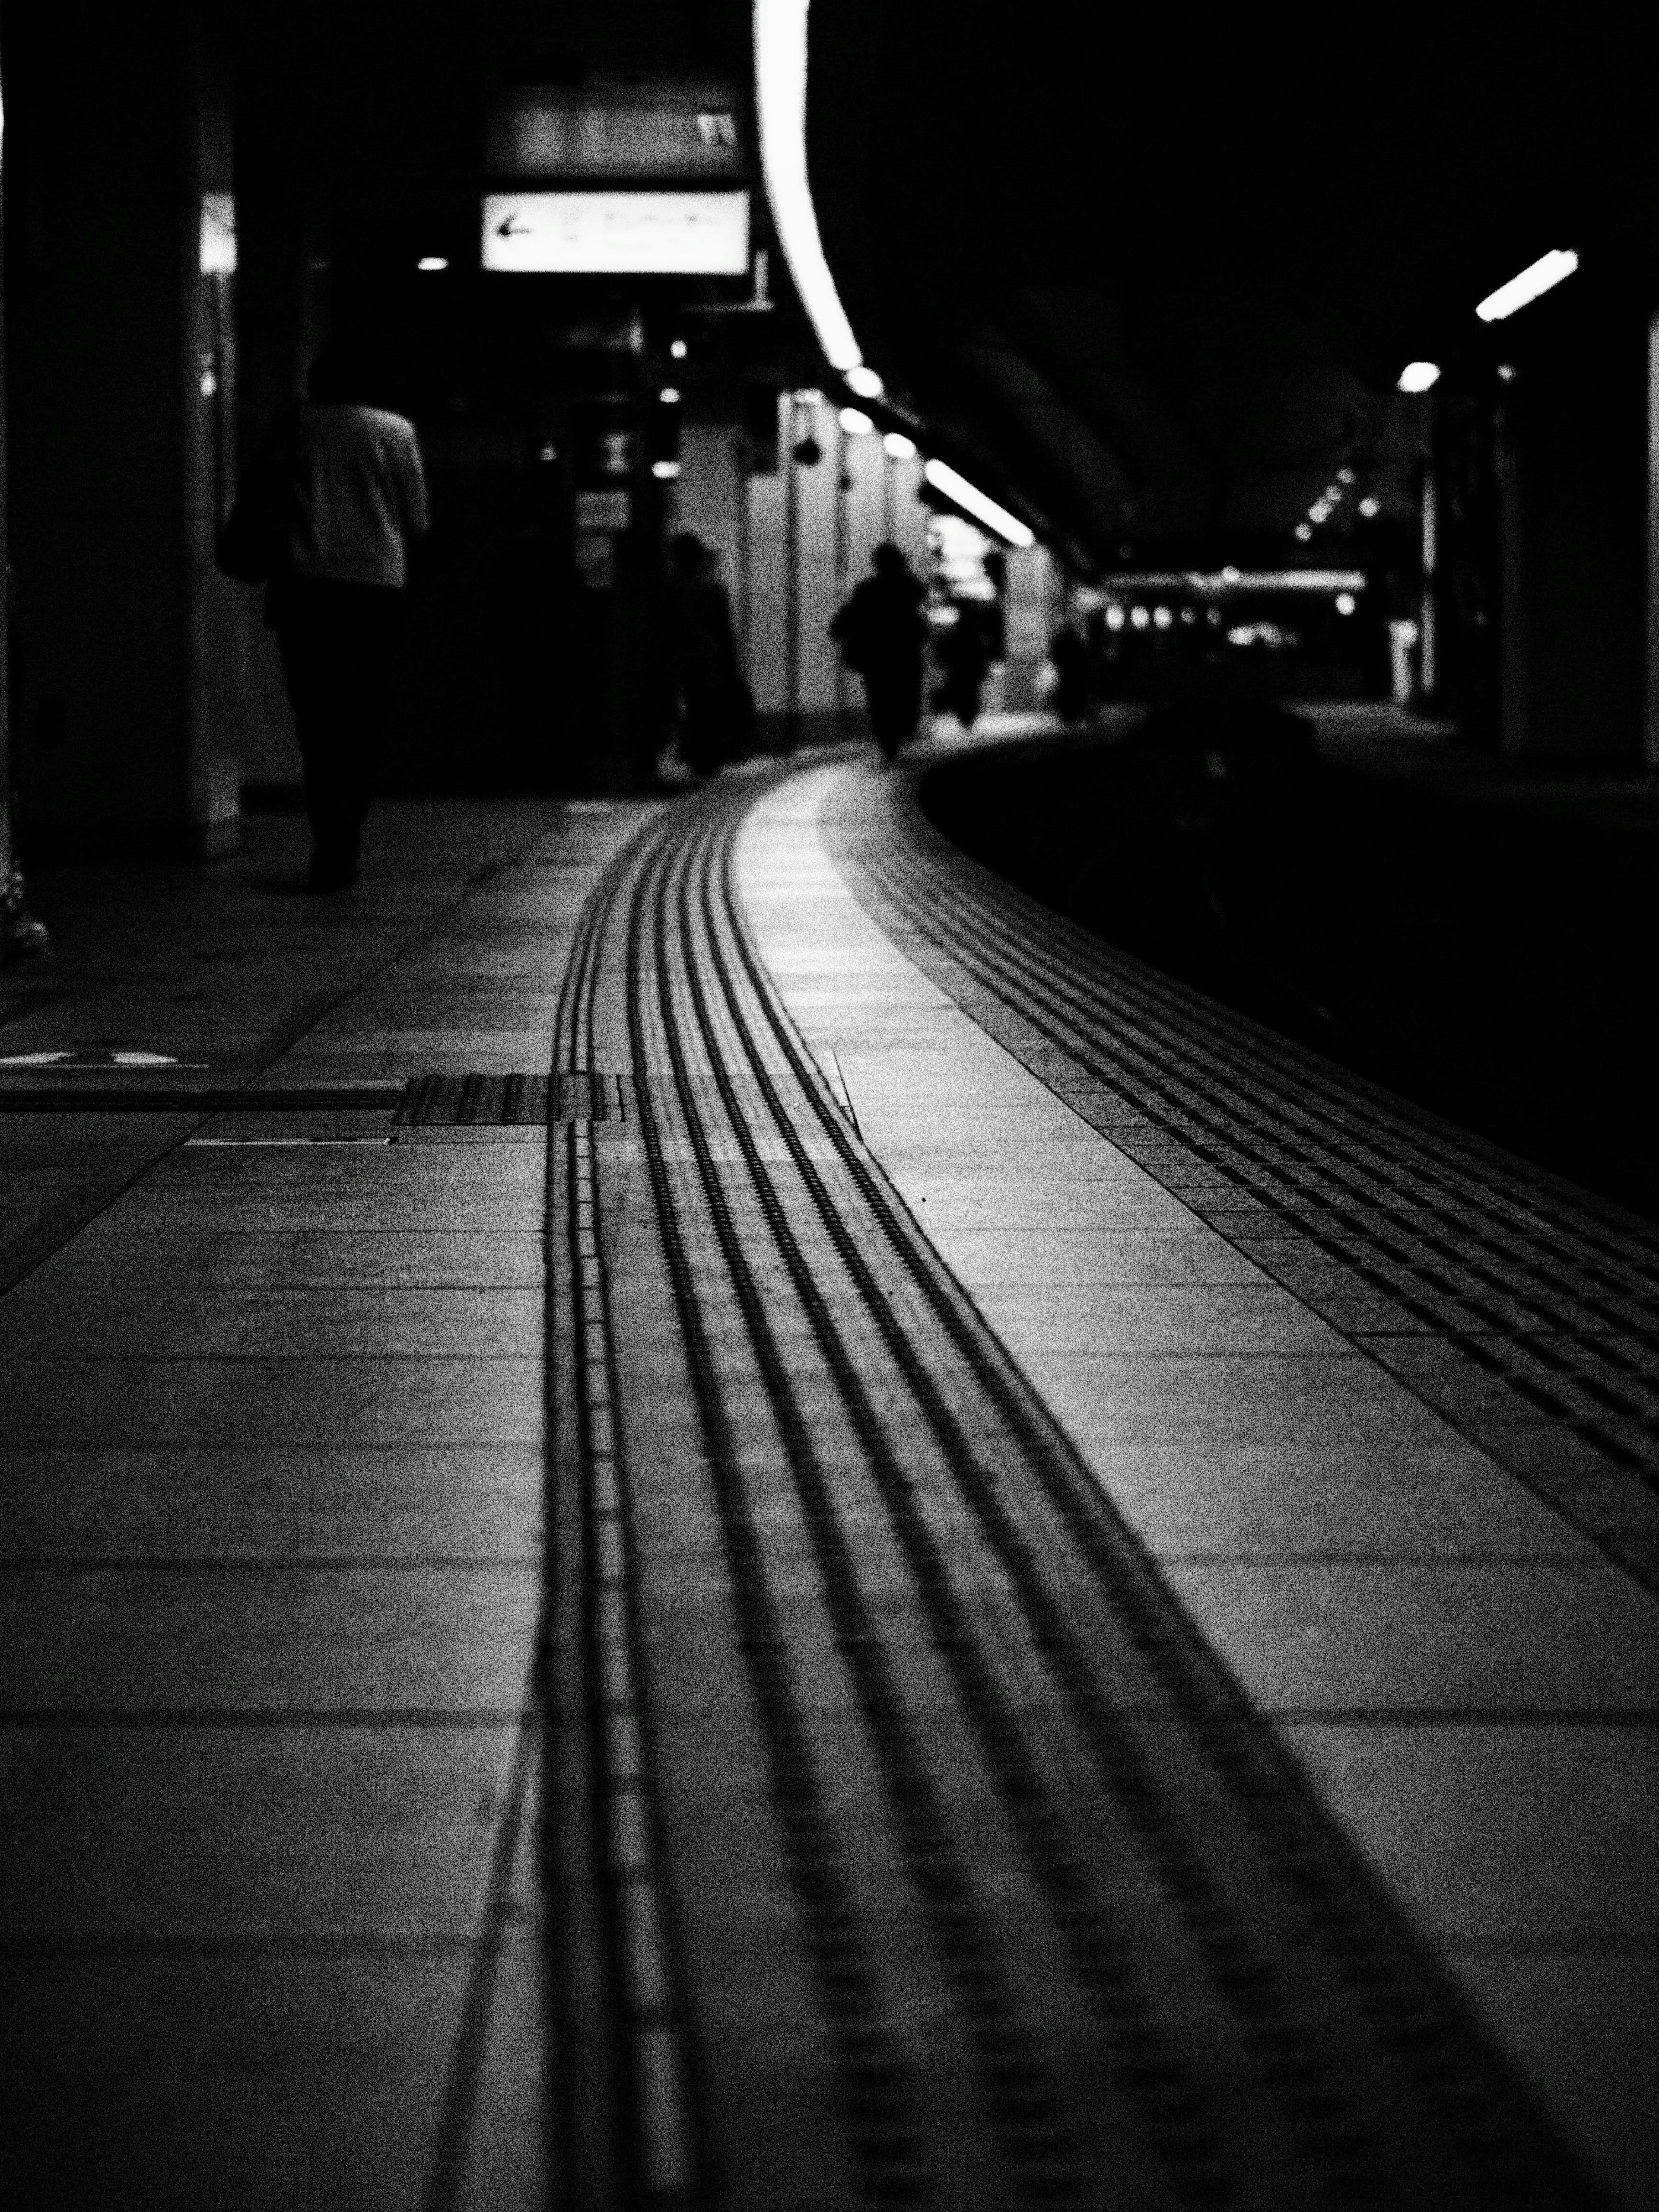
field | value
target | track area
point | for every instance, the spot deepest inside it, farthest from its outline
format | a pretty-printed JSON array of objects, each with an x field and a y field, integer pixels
[
  {"x": 1525, "y": 1311},
  {"x": 906, "y": 1845}
]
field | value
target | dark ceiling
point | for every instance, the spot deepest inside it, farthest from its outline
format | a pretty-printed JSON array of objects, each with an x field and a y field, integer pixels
[
  {"x": 1150, "y": 273},
  {"x": 1154, "y": 272}
]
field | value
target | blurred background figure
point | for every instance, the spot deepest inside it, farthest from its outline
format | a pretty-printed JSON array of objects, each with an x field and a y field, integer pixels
[
  {"x": 881, "y": 631},
  {"x": 335, "y": 502},
  {"x": 965, "y": 651},
  {"x": 716, "y": 713},
  {"x": 533, "y": 613},
  {"x": 1068, "y": 656}
]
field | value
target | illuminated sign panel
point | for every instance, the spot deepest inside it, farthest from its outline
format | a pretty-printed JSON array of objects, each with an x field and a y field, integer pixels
[
  {"x": 618, "y": 233},
  {"x": 674, "y": 134}
]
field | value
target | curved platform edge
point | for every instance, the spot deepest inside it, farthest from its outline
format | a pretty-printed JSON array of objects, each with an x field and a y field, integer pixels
[{"x": 1470, "y": 1684}]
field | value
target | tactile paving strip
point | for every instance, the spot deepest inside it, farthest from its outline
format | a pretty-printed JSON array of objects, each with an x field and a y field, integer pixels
[
  {"x": 1524, "y": 1311},
  {"x": 979, "y": 1884}
]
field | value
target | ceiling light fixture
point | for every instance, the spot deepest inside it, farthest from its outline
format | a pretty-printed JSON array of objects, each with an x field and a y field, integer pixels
[
  {"x": 855, "y": 422},
  {"x": 1419, "y": 375},
  {"x": 864, "y": 380},
  {"x": 1540, "y": 275},
  {"x": 979, "y": 504},
  {"x": 899, "y": 447},
  {"x": 677, "y": 350},
  {"x": 432, "y": 261}
]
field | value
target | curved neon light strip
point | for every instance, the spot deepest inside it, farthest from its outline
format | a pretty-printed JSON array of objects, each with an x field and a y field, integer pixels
[{"x": 780, "y": 104}]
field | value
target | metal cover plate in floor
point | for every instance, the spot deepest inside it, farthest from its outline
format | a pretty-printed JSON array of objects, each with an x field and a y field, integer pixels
[{"x": 507, "y": 1101}]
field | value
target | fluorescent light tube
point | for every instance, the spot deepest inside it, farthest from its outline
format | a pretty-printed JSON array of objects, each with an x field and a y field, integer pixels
[
  {"x": 985, "y": 509},
  {"x": 1540, "y": 275}
]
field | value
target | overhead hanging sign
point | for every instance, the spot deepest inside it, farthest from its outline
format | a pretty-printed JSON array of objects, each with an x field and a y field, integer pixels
[
  {"x": 618, "y": 233},
  {"x": 670, "y": 133}
]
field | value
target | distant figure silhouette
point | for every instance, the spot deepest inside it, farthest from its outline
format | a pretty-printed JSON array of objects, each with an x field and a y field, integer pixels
[
  {"x": 339, "y": 496},
  {"x": 715, "y": 708},
  {"x": 1069, "y": 657},
  {"x": 965, "y": 651},
  {"x": 881, "y": 631}
]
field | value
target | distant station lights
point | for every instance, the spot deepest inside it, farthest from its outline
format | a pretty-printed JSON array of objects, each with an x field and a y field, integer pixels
[
  {"x": 664, "y": 472},
  {"x": 1420, "y": 375},
  {"x": 432, "y": 263},
  {"x": 669, "y": 396},
  {"x": 1537, "y": 277},
  {"x": 1323, "y": 508},
  {"x": 677, "y": 350}
]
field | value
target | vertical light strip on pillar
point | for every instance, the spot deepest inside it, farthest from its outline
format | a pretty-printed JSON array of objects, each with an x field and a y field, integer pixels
[{"x": 1428, "y": 672}]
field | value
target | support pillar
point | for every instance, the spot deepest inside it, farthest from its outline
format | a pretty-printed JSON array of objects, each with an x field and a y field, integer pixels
[
  {"x": 129, "y": 682},
  {"x": 1574, "y": 621},
  {"x": 20, "y": 934},
  {"x": 1650, "y": 733}
]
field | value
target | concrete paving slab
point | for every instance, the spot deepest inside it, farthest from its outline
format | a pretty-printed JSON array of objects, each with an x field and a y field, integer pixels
[
  {"x": 410, "y": 1502},
  {"x": 162, "y": 1641},
  {"x": 1073, "y": 1316},
  {"x": 203, "y": 2080},
  {"x": 232, "y": 1321},
  {"x": 1525, "y": 1836},
  {"x": 256, "y": 1401},
  {"x": 473, "y": 1205},
  {"x": 430, "y": 1258},
  {"x": 377, "y": 1835},
  {"x": 1376, "y": 1635},
  {"x": 961, "y": 1198},
  {"x": 1266, "y": 1398},
  {"x": 1209, "y": 1497},
  {"x": 1096, "y": 1257},
  {"x": 1582, "y": 2030}
]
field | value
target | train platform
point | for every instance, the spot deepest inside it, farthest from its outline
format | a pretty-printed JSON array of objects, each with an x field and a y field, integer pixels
[{"x": 696, "y": 1510}]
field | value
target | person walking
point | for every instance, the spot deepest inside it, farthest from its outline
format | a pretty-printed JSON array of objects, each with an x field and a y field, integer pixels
[
  {"x": 336, "y": 500},
  {"x": 713, "y": 699},
  {"x": 881, "y": 631}
]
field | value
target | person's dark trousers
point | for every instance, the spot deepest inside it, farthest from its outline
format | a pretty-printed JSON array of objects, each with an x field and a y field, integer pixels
[
  {"x": 895, "y": 703},
  {"x": 705, "y": 729},
  {"x": 337, "y": 642}
]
